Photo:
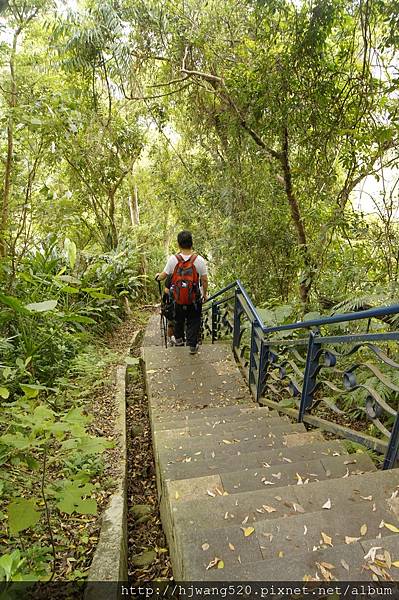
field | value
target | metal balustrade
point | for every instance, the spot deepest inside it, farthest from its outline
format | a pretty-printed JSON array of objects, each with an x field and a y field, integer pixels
[{"x": 317, "y": 364}]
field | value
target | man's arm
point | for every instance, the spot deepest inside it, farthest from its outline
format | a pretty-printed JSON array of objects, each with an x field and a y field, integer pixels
[
  {"x": 161, "y": 276},
  {"x": 204, "y": 281}
]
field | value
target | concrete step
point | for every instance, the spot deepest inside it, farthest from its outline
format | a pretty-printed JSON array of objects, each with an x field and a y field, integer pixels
[
  {"x": 174, "y": 357},
  {"x": 199, "y": 416},
  {"x": 293, "y": 474},
  {"x": 345, "y": 562},
  {"x": 287, "y": 501},
  {"x": 240, "y": 424},
  {"x": 254, "y": 460},
  {"x": 188, "y": 453},
  {"x": 195, "y": 386},
  {"x": 202, "y": 420},
  {"x": 206, "y": 489},
  {"x": 190, "y": 450},
  {"x": 217, "y": 440},
  {"x": 228, "y": 431},
  {"x": 282, "y": 538}
]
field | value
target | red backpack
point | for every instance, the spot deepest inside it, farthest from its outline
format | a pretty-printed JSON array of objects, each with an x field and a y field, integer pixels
[{"x": 185, "y": 281}]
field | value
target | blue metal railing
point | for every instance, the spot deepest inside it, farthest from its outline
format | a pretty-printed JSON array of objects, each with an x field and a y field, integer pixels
[{"x": 306, "y": 362}]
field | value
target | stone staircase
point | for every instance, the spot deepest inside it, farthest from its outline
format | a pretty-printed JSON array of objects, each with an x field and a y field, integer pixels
[{"x": 245, "y": 494}]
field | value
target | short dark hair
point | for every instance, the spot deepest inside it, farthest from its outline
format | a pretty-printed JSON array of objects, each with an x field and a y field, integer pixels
[{"x": 185, "y": 239}]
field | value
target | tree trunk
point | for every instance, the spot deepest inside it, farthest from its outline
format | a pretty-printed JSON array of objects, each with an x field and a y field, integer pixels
[
  {"x": 7, "y": 188},
  {"x": 113, "y": 232},
  {"x": 306, "y": 283},
  {"x": 136, "y": 210}
]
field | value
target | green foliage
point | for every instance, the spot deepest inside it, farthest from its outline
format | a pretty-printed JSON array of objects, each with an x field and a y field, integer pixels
[
  {"x": 22, "y": 514},
  {"x": 249, "y": 123},
  {"x": 44, "y": 432},
  {"x": 71, "y": 497}
]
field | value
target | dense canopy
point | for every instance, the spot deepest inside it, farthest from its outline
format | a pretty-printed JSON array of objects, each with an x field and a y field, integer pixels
[{"x": 268, "y": 128}]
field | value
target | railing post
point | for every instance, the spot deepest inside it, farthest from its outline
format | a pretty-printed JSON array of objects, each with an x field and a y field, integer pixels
[
  {"x": 251, "y": 371},
  {"x": 310, "y": 375},
  {"x": 236, "y": 321},
  {"x": 393, "y": 446},
  {"x": 214, "y": 321},
  {"x": 263, "y": 360}
]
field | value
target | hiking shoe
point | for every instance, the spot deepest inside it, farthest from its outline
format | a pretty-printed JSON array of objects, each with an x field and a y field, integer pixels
[
  {"x": 179, "y": 342},
  {"x": 194, "y": 349}
]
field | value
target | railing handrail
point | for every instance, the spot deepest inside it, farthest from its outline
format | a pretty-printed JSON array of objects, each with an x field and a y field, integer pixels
[
  {"x": 222, "y": 291},
  {"x": 339, "y": 318},
  {"x": 261, "y": 359},
  {"x": 251, "y": 305}
]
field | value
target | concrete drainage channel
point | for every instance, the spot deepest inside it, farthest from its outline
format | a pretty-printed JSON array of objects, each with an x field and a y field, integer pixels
[{"x": 110, "y": 557}]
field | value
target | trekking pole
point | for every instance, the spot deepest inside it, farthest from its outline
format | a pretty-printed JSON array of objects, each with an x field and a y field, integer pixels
[{"x": 163, "y": 325}]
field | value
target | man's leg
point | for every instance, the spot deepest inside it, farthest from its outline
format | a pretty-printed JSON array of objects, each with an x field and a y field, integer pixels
[
  {"x": 179, "y": 324},
  {"x": 193, "y": 324},
  {"x": 171, "y": 333}
]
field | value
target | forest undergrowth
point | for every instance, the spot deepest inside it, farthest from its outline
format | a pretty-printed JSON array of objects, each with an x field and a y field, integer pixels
[{"x": 51, "y": 531}]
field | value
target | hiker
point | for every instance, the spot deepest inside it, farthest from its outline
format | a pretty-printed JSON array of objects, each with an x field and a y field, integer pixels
[{"x": 188, "y": 289}]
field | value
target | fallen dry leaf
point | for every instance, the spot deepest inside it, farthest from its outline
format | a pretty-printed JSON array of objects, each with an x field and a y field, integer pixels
[
  {"x": 326, "y": 539},
  {"x": 205, "y": 546},
  {"x": 268, "y": 509},
  {"x": 245, "y": 520},
  {"x": 391, "y": 527},
  {"x": 327, "y": 575},
  {"x": 248, "y": 531},
  {"x": 363, "y": 529},
  {"x": 388, "y": 559},
  {"x": 366, "y": 497},
  {"x": 211, "y": 493},
  {"x": 345, "y": 564},
  {"x": 376, "y": 570},
  {"x": 213, "y": 563},
  {"x": 305, "y": 529},
  {"x": 298, "y": 508},
  {"x": 281, "y": 554},
  {"x": 227, "y": 442},
  {"x": 351, "y": 540},
  {"x": 327, "y": 504},
  {"x": 371, "y": 553},
  {"x": 327, "y": 565},
  {"x": 220, "y": 564},
  {"x": 231, "y": 546}
]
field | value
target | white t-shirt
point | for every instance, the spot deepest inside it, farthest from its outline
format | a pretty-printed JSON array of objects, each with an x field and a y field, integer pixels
[{"x": 199, "y": 263}]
